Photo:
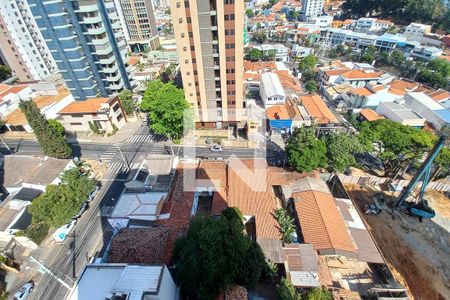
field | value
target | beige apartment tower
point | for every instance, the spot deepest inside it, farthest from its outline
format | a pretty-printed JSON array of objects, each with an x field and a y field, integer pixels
[{"x": 209, "y": 36}]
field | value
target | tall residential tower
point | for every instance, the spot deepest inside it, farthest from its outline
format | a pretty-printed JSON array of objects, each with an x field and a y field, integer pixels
[
  {"x": 139, "y": 24},
  {"x": 311, "y": 9},
  {"x": 86, "y": 40},
  {"x": 22, "y": 44},
  {"x": 209, "y": 36}
]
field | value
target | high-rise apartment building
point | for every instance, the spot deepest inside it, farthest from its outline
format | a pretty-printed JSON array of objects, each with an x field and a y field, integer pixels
[
  {"x": 22, "y": 44},
  {"x": 87, "y": 42},
  {"x": 209, "y": 36},
  {"x": 139, "y": 24},
  {"x": 311, "y": 9}
]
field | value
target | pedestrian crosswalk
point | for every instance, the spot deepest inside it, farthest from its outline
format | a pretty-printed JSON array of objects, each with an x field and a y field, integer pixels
[
  {"x": 110, "y": 153},
  {"x": 139, "y": 138},
  {"x": 119, "y": 166}
]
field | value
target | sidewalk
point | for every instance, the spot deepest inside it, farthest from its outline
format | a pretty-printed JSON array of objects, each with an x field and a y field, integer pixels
[{"x": 129, "y": 129}]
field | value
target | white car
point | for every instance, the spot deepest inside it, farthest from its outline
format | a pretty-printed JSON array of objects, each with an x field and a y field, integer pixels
[
  {"x": 216, "y": 148},
  {"x": 62, "y": 232},
  {"x": 24, "y": 291}
]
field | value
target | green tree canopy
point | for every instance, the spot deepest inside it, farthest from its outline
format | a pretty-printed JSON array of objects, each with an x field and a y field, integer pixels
[
  {"x": 5, "y": 72},
  {"x": 319, "y": 294},
  {"x": 254, "y": 54},
  {"x": 53, "y": 143},
  {"x": 128, "y": 104},
  {"x": 304, "y": 151},
  {"x": 397, "y": 57},
  {"x": 249, "y": 12},
  {"x": 166, "y": 106},
  {"x": 285, "y": 224},
  {"x": 341, "y": 149},
  {"x": 287, "y": 291},
  {"x": 443, "y": 161},
  {"x": 395, "y": 142},
  {"x": 311, "y": 87},
  {"x": 259, "y": 36},
  {"x": 57, "y": 126},
  {"x": 59, "y": 203},
  {"x": 216, "y": 254},
  {"x": 308, "y": 63}
]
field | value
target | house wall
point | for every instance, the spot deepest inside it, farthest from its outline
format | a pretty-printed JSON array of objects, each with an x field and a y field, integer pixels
[{"x": 167, "y": 290}]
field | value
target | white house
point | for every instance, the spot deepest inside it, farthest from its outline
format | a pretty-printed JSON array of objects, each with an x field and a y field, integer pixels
[
  {"x": 271, "y": 90},
  {"x": 415, "y": 31},
  {"x": 10, "y": 96},
  {"x": 428, "y": 108},
  {"x": 372, "y": 24},
  {"x": 323, "y": 21},
  {"x": 108, "y": 281},
  {"x": 281, "y": 51},
  {"x": 426, "y": 53},
  {"x": 358, "y": 78},
  {"x": 400, "y": 113}
]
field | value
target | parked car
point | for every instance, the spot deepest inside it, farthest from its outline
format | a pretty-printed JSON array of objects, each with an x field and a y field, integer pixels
[
  {"x": 24, "y": 291},
  {"x": 216, "y": 148},
  {"x": 62, "y": 232},
  {"x": 93, "y": 193}
]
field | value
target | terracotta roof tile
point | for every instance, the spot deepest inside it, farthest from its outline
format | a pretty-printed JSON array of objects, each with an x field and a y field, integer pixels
[
  {"x": 290, "y": 84},
  {"x": 321, "y": 223},
  {"x": 315, "y": 106},
  {"x": 4, "y": 88},
  {"x": 277, "y": 112},
  {"x": 363, "y": 91},
  {"x": 403, "y": 85},
  {"x": 139, "y": 245},
  {"x": 236, "y": 292},
  {"x": 133, "y": 60},
  {"x": 439, "y": 95},
  {"x": 12, "y": 90},
  {"x": 336, "y": 72},
  {"x": 86, "y": 106},
  {"x": 258, "y": 65},
  {"x": 370, "y": 115},
  {"x": 359, "y": 74}
]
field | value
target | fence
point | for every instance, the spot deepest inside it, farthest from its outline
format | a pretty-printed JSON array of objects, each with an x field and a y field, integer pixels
[{"x": 442, "y": 186}]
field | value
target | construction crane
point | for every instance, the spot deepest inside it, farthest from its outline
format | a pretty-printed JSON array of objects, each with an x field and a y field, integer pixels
[{"x": 421, "y": 208}]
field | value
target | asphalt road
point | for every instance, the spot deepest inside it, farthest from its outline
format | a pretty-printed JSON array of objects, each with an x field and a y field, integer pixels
[{"x": 92, "y": 232}]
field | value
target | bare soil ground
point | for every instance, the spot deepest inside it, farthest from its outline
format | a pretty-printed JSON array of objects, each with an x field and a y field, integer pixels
[{"x": 417, "y": 252}]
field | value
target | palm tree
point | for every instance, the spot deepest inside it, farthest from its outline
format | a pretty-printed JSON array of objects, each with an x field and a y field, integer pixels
[{"x": 286, "y": 224}]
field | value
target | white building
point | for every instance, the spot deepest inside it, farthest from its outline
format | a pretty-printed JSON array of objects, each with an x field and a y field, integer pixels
[
  {"x": 281, "y": 51},
  {"x": 108, "y": 281},
  {"x": 312, "y": 9},
  {"x": 300, "y": 51},
  {"x": 359, "y": 40},
  {"x": 426, "y": 53},
  {"x": 429, "y": 109},
  {"x": 372, "y": 24},
  {"x": 323, "y": 21},
  {"x": 400, "y": 113},
  {"x": 27, "y": 39},
  {"x": 415, "y": 31},
  {"x": 271, "y": 90},
  {"x": 10, "y": 98}
]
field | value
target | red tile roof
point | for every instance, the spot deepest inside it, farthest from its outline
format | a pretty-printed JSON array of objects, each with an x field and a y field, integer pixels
[
  {"x": 87, "y": 107},
  {"x": 139, "y": 245},
  {"x": 315, "y": 106},
  {"x": 439, "y": 95},
  {"x": 359, "y": 74},
  {"x": 277, "y": 112},
  {"x": 370, "y": 115},
  {"x": 363, "y": 91},
  {"x": 321, "y": 223}
]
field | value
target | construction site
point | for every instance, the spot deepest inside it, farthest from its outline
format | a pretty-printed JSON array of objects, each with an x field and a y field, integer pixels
[{"x": 417, "y": 251}]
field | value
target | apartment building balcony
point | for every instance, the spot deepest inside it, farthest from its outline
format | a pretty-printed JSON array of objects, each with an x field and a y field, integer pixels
[
  {"x": 116, "y": 87},
  {"x": 103, "y": 50},
  {"x": 107, "y": 61},
  {"x": 113, "y": 78},
  {"x": 87, "y": 8},
  {"x": 116, "y": 25},
  {"x": 112, "y": 69},
  {"x": 102, "y": 41},
  {"x": 91, "y": 20},
  {"x": 95, "y": 31}
]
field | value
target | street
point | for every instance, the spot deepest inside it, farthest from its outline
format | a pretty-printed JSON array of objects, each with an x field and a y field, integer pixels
[{"x": 92, "y": 232}]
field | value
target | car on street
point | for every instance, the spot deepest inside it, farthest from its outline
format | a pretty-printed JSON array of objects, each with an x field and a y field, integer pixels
[
  {"x": 62, "y": 232},
  {"x": 24, "y": 291},
  {"x": 216, "y": 148}
]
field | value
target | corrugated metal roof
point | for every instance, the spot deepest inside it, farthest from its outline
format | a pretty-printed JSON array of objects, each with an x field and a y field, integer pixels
[
  {"x": 271, "y": 84},
  {"x": 136, "y": 280}
]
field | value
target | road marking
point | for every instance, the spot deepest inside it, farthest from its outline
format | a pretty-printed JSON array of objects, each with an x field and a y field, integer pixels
[{"x": 140, "y": 138}]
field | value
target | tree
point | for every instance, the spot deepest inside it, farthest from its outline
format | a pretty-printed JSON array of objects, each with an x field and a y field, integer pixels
[
  {"x": 285, "y": 223},
  {"x": 270, "y": 55},
  {"x": 397, "y": 57},
  {"x": 341, "y": 149},
  {"x": 396, "y": 143},
  {"x": 166, "y": 106},
  {"x": 259, "y": 36},
  {"x": 249, "y": 12},
  {"x": 215, "y": 254},
  {"x": 128, "y": 104},
  {"x": 59, "y": 203},
  {"x": 53, "y": 144},
  {"x": 311, "y": 87},
  {"x": 319, "y": 294},
  {"x": 442, "y": 161},
  {"x": 304, "y": 151},
  {"x": 332, "y": 53},
  {"x": 5, "y": 72},
  {"x": 287, "y": 291},
  {"x": 308, "y": 63},
  {"x": 254, "y": 54},
  {"x": 57, "y": 126}
]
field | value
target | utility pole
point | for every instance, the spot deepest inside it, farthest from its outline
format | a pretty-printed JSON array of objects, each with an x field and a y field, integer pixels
[
  {"x": 6, "y": 145},
  {"x": 124, "y": 158},
  {"x": 43, "y": 269}
]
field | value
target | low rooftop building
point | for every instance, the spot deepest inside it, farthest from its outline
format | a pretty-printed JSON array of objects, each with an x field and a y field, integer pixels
[
  {"x": 105, "y": 114},
  {"x": 271, "y": 90},
  {"x": 318, "y": 110},
  {"x": 127, "y": 281},
  {"x": 369, "y": 115},
  {"x": 400, "y": 113}
]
